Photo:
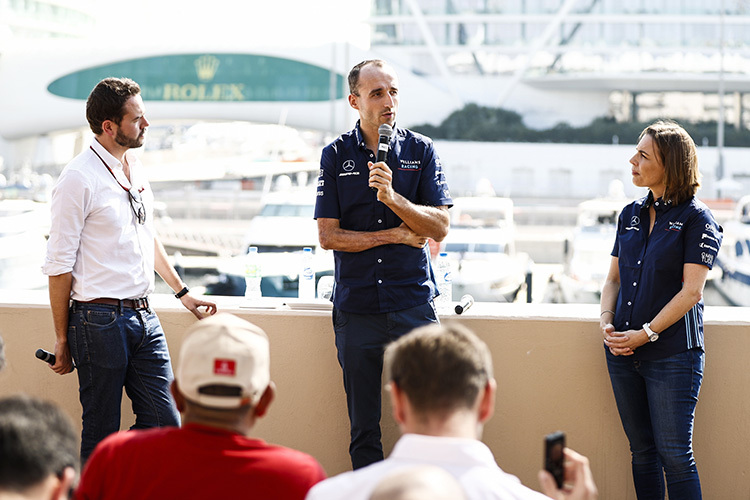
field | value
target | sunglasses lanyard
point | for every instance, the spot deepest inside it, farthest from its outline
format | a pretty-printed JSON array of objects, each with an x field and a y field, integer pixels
[{"x": 113, "y": 174}]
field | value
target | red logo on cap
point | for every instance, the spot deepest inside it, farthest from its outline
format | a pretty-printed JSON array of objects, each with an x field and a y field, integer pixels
[{"x": 225, "y": 367}]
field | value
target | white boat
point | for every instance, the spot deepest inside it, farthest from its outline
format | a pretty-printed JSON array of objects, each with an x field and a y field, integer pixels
[
  {"x": 24, "y": 225},
  {"x": 481, "y": 248},
  {"x": 588, "y": 251},
  {"x": 734, "y": 256},
  {"x": 281, "y": 230}
]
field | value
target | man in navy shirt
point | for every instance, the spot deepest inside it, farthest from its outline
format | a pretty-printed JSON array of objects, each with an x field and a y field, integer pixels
[{"x": 377, "y": 217}]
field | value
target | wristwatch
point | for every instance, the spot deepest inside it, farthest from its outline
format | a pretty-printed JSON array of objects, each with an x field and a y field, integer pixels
[{"x": 652, "y": 335}]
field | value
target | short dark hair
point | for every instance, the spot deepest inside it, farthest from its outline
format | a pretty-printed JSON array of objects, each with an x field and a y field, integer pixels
[
  {"x": 354, "y": 73},
  {"x": 107, "y": 100},
  {"x": 677, "y": 153},
  {"x": 440, "y": 368},
  {"x": 37, "y": 440}
]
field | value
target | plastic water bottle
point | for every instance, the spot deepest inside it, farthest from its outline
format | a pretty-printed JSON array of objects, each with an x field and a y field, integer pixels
[
  {"x": 252, "y": 274},
  {"x": 306, "y": 284},
  {"x": 444, "y": 283}
]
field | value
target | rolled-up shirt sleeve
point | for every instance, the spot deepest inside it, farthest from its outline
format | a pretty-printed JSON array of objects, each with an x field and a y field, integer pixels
[{"x": 71, "y": 198}]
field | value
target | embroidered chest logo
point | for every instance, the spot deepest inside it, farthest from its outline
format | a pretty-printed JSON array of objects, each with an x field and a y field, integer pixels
[
  {"x": 634, "y": 223},
  {"x": 348, "y": 167},
  {"x": 410, "y": 165},
  {"x": 674, "y": 226}
]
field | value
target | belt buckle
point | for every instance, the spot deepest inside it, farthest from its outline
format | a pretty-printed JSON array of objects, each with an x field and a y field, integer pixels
[{"x": 141, "y": 303}]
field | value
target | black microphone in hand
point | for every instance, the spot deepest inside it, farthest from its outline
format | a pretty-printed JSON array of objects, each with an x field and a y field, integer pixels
[
  {"x": 46, "y": 356},
  {"x": 50, "y": 358},
  {"x": 385, "y": 132},
  {"x": 384, "y": 141}
]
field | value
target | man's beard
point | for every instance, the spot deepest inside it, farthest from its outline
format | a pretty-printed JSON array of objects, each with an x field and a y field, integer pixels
[{"x": 128, "y": 142}]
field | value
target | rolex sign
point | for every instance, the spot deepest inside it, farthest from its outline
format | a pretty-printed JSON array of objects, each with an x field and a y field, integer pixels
[{"x": 210, "y": 77}]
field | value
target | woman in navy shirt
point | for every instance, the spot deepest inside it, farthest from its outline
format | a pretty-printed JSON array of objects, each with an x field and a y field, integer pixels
[{"x": 652, "y": 311}]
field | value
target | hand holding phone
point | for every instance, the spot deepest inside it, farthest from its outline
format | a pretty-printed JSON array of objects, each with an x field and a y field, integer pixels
[{"x": 554, "y": 458}]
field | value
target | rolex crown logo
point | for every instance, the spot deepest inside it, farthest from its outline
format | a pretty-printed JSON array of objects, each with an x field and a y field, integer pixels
[{"x": 206, "y": 66}]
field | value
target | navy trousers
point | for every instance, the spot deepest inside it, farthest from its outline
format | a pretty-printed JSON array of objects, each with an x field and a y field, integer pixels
[{"x": 360, "y": 341}]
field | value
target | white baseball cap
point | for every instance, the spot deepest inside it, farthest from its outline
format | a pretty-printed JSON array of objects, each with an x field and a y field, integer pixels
[{"x": 224, "y": 362}]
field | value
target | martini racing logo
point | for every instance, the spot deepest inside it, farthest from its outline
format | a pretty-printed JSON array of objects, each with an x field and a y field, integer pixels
[
  {"x": 674, "y": 226},
  {"x": 634, "y": 222},
  {"x": 348, "y": 167}
]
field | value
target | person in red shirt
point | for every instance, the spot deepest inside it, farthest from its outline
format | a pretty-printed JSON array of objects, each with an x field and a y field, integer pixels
[{"x": 222, "y": 386}]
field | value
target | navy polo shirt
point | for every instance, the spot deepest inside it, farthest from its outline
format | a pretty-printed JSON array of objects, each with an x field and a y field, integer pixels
[
  {"x": 385, "y": 278},
  {"x": 651, "y": 268}
]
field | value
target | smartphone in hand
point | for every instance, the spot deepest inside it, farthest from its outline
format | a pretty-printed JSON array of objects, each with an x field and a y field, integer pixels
[{"x": 554, "y": 458}]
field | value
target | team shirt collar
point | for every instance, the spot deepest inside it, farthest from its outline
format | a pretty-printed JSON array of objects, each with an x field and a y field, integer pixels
[
  {"x": 361, "y": 140},
  {"x": 648, "y": 200}
]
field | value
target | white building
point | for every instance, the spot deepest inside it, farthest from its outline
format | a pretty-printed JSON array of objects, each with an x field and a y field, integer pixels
[
  {"x": 33, "y": 19},
  {"x": 550, "y": 60},
  {"x": 574, "y": 60}
]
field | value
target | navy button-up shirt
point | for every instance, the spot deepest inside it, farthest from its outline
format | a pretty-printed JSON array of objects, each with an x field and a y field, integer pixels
[
  {"x": 388, "y": 277},
  {"x": 651, "y": 268}
]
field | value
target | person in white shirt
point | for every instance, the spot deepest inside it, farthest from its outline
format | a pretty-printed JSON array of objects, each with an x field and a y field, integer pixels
[
  {"x": 442, "y": 392},
  {"x": 101, "y": 256}
]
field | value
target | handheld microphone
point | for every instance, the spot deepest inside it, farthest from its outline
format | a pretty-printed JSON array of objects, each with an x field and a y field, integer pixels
[
  {"x": 50, "y": 358},
  {"x": 46, "y": 356},
  {"x": 466, "y": 302},
  {"x": 385, "y": 132},
  {"x": 384, "y": 141}
]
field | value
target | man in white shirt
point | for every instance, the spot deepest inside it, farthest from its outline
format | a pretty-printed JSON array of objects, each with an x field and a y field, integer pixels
[
  {"x": 101, "y": 257},
  {"x": 442, "y": 392}
]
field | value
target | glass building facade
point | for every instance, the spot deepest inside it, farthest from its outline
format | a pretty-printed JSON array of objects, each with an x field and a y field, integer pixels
[{"x": 693, "y": 43}]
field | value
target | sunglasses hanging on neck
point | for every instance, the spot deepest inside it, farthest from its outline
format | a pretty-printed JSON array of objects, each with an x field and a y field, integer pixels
[{"x": 134, "y": 196}]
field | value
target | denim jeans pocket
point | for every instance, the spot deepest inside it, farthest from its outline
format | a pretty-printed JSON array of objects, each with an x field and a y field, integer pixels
[
  {"x": 103, "y": 339},
  {"x": 101, "y": 318}
]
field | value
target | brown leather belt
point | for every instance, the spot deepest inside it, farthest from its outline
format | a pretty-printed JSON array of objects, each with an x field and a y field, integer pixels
[{"x": 141, "y": 303}]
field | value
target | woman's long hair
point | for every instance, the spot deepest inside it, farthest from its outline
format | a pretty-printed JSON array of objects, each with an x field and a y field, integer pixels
[{"x": 676, "y": 151}]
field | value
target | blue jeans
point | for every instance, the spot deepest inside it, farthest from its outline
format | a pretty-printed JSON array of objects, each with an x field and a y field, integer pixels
[
  {"x": 115, "y": 347},
  {"x": 656, "y": 400},
  {"x": 360, "y": 341}
]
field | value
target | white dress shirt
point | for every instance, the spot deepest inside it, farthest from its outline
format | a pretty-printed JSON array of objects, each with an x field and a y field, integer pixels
[
  {"x": 470, "y": 461},
  {"x": 94, "y": 233}
]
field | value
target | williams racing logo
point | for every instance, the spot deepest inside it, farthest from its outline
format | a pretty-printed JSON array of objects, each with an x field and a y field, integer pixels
[
  {"x": 348, "y": 167},
  {"x": 410, "y": 165},
  {"x": 674, "y": 226},
  {"x": 635, "y": 221}
]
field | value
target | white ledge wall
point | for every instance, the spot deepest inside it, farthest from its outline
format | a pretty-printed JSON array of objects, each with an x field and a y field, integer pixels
[{"x": 548, "y": 360}]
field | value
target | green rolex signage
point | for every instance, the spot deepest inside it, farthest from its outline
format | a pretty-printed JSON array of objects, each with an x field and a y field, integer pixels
[{"x": 210, "y": 77}]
